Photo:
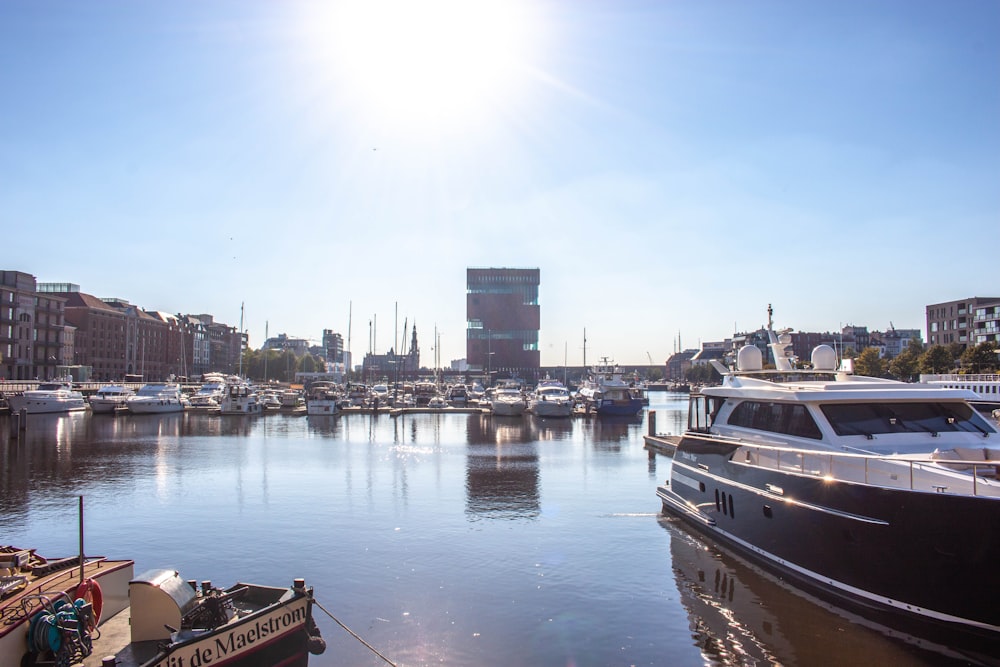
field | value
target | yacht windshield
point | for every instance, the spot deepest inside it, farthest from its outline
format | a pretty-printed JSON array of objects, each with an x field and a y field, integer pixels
[{"x": 874, "y": 418}]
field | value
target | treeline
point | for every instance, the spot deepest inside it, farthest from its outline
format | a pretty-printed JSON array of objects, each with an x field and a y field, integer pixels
[{"x": 906, "y": 366}]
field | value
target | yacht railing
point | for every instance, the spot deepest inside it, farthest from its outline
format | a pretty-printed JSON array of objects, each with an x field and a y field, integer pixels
[{"x": 914, "y": 473}]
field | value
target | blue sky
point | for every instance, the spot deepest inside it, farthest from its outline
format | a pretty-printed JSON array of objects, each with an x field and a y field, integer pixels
[{"x": 671, "y": 167}]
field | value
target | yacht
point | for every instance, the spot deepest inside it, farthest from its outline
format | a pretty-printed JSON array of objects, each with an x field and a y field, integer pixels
[
  {"x": 605, "y": 392},
  {"x": 109, "y": 398},
  {"x": 211, "y": 392},
  {"x": 551, "y": 398},
  {"x": 157, "y": 397},
  {"x": 871, "y": 492},
  {"x": 322, "y": 399},
  {"x": 49, "y": 397},
  {"x": 986, "y": 386},
  {"x": 240, "y": 399},
  {"x": 508, "y": 401}
]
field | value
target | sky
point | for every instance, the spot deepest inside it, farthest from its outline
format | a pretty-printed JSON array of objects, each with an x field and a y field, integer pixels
[{"x": 671, "y": 167}]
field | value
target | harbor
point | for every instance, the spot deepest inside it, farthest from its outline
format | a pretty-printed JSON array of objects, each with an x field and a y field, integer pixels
[{"x": 440, "y": 537}]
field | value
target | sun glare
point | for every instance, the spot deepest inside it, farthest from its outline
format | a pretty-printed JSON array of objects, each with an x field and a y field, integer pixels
[{"x": 429, "y": 64}]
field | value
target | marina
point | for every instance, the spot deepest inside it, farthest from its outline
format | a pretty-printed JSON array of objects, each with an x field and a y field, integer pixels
[{"x": 439, "y": 537}]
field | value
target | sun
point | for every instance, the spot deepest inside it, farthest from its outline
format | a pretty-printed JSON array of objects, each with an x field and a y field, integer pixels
[{"x": 429, "y": 64}]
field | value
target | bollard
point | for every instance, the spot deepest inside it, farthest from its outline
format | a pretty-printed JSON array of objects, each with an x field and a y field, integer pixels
[
  {"x": 108, "y": 661},
  {"x": 15, "y": 425},
  {"x": 652, "y": 422},
  {"x": 24, "y": 419}
]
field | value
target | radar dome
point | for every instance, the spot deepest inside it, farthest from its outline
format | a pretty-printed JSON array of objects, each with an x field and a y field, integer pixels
[
  {"x": 749, "y": 358},
  {"x": 824, "y": 358}
]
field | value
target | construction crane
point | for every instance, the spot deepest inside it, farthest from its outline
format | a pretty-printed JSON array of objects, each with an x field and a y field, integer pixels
[{"x": 650, "y": 357}]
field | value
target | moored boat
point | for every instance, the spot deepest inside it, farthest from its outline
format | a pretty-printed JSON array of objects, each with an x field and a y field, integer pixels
[
  {"x": 605, "y": 392},
  {"x": 240, "y": 399},
  {"x": 508, "y": 400},
  {"x": 874, "y": 493},
  {"x": 109, "y": 398},
  {"x": 551, "y": 398},
  {"x": 210, "y": 394},
  {"x": 55, "y": 612},
  {"x": 322, "y": 399},
  {"x": 49, "y": 397},
  {"x": 157, "y": 397}
]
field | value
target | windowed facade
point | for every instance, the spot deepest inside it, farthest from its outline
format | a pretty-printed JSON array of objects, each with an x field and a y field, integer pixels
[
  {"x": 967, "y": 322},
  {"x": 502, "y": 322}
]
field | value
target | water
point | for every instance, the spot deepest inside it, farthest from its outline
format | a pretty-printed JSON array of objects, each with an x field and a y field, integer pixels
[{"x": 441, "y": 539}]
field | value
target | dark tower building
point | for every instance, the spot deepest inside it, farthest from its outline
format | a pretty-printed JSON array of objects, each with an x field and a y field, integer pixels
[{"x": 503, "y": 320}]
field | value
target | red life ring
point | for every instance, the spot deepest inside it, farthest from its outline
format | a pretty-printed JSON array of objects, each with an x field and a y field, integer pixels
[{"x": 90, "y": 591}]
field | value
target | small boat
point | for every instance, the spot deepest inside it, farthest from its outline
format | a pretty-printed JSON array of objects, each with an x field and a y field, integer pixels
[
  {"x": 870, "y": 492},
  {"x": 157, "y": 397},
  {"x": 438, "y": 403},
  {"x": 292, "y": 399},
  {"x": 508, "y": 400},
  {"x": 109, "y": 398},
  {"x": 209, "y": 395},
  {"x": 457, "y": 394},
  {"x": 551, "y": 398},
  {"x": 606, "y": 392},
  {"x": 240, "y": 399},
  {"x": 322, "y": 399},
  {"x": 59, "y": 612},
  {"x": 49, "y": 397}
]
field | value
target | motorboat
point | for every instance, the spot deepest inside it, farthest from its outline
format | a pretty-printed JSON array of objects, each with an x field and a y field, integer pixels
[
  {"x": 291, "y": 399},
  {"x": 240, "y": 399},
  {"x": 209, "y": 395},
  {"x": 109, "y": 398},
  {"x": 378, "y": 396},
  {"x": 49, "y": 397},
  {"x": 457, "y": 394},
  {"x": 423, "y": 392},
  {"x": 986, "y": 386},
  {"x": 606, "y": 392},
  {"x": 438, "y": 403},
  {"x": 870, "y": 492},
  {"x": 551, "y": 398},
  {"x": 64, "y": 611},
  {"x": 508, "y": 400},
  {"x": 322, "y": 399},
  {"x": 157, "y": 397}
]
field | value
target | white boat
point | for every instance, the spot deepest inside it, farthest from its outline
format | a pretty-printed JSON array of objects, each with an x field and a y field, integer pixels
[
  {"x": 508, "y": 401},
  {"x": 986, "y": 386},
  {"x": 438, "y": 403},
  {"x": 322, "y": 399},
  {"x": 209, "y": 395},
  {"x": 49, "y": 397},
  {"x": 605, "y": 391},
  {"x": 59, "y": 612},
  {"x": 551, "y": 398},
  {"x": 109, "y": 398},
  {"x": 292, "y": 399},
  {"x": 881, "y": 495},
  {"x": 240, "y": 399},
  {"x": 457, "y": 394},
  {"x": 157, "y": 397}
]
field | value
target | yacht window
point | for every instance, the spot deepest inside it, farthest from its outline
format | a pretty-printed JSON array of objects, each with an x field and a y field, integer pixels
[
  {"x": 873, "y": 418},
  {"x": 788, "y": 418}
]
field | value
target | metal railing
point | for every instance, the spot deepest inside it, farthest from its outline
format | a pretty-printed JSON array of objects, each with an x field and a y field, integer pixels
[{"x": 914, "y": 473}]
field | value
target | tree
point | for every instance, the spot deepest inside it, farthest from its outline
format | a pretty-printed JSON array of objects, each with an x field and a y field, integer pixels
[
  {"x": 870, "y": 363},
  {"x": 980, "y": 358},
  {"x": 308, "y": 363},
  {"x": 904, "y": 366},
  {"x": 937, "y": 359}
]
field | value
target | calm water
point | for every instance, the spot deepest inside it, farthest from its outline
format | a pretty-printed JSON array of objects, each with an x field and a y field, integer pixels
[{"x": 440, "y": 539}]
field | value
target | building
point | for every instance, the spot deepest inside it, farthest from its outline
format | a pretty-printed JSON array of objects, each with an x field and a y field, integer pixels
[
  {"x": 34, "y": 340},
  {"x": 503, "y": 319},
  {"x": 967, "y": 321}
]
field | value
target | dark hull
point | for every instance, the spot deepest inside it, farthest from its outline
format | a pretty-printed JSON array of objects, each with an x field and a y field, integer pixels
[{"x": 925, "y": 559}]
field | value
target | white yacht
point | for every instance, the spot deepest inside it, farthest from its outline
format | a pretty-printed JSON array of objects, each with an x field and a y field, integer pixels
[
  {"x": 240, "y": 399},
  {"x": 209, "y": 395},
  {"x": 157, "y": 397},
  {"x": 508, "y": 401},
  {"x": 109, "y": 398},
  {"x": 551, "y": 398},
  {"x": 322, "y": 399},
  {"x": 49, "y": 397},
  {"x": 882, "y": 495}
]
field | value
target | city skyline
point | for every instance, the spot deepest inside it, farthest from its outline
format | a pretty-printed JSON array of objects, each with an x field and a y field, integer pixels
[{"x": 671, "y": 168}]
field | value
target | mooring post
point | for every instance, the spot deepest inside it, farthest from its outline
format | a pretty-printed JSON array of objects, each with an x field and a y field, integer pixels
[
  {"x": 24, "y": 419},
  {"x": 652, "y": 422},
  {"x": 15, "y": 425}
]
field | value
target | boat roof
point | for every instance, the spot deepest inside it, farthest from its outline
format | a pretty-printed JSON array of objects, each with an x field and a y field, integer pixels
[{"x": 839, "y": 388}]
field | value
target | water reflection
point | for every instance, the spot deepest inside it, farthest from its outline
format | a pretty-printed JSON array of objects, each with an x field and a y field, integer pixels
[
  {"x": 741, "y": 615},
  {"x": 502, "y": 475}
]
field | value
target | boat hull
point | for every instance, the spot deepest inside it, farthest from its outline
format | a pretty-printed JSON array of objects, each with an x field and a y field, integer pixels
[
  {"x": 45, "y": 406},
  {"x": 927, "y": 559},
  {"x": 618, "y": 408},
  {"x": 321, "y": 408}
]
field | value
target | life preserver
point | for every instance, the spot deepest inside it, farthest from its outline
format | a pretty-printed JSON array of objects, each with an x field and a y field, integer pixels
[{"x": 90, "y": 591}]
